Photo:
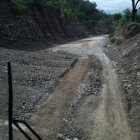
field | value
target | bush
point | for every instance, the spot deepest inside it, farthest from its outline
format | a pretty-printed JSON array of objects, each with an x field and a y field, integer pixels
[
  {"x": 110, "y": 35},
  {"x": 90, "y": 24},
  {"x": 112, "y": 40},
  {"x": 69, "y": 12},
  {"x": 108, "y": 21},
  {"x": 122, "y": 21},
  {"x": 127, "y": 14},
  {"x": 138, "y": 18},
  {"x": 20, "y": 7},
  {"x": 117, "y": 16}
]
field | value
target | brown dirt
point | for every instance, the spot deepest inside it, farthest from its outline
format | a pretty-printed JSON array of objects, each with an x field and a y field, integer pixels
[
  {"x": 49, "y": 119},
  {"x": 100, "y": 117},
  {"x": 103, "y": 117},
  {"x": 110, "y": 121}
]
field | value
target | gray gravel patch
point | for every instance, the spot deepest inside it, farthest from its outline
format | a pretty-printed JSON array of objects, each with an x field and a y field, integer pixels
[
  {"x": 91, "y": 85},
  {"x": 35, "y": 75}
]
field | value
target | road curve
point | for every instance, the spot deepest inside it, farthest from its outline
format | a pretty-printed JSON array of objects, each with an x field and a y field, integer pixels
[
  {"x": 110, "y": 121},
  {"x": 103, "y": 116}
]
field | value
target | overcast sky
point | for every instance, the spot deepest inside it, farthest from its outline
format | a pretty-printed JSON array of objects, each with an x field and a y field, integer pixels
[{"x": 113, "y": 6}]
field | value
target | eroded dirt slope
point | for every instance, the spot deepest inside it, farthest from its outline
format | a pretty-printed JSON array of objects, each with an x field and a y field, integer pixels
[
  {"x": 36, "y": 29},
  {"x": 126, "y": 57}
]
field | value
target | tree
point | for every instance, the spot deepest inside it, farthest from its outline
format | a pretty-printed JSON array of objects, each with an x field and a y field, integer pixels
[
  {"x": 117, "y": 16},
  {"x": 127, "y": 14},
  {"x": 135, "y": 8}
]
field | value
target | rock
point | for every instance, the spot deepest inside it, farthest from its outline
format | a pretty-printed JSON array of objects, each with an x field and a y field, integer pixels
[
  {"x": 65, "y": 119},
  {"x": 125, "y": 85},
  {"x": 129, "y": 86},
  {"x": 59, "y": 135},
  {"x": 75, "y": 139},
  {"x": 138, "y": 73},
  {"x": 118, "y": 41}
]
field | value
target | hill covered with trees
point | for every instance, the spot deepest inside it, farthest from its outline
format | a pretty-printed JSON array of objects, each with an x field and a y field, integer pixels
[{"x": 26, "y": 21}]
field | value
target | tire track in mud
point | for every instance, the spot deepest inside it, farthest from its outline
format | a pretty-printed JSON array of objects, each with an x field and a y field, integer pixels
[
  {"x": 95, "y": 117},
  {"x": 49, "y": 119},
  {"x": 102, "y": 117},
  {"x": 111, "y": 122}
]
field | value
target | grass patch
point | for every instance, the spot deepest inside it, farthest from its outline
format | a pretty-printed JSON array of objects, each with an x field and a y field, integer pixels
[
  {"x": 112, "y": 40},
  {"x": 21, "y": 6},
  {"x": 110, "y": 36}
]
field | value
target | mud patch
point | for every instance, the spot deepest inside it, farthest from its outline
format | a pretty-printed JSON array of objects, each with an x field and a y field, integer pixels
[{"x": 80, "y": 115}]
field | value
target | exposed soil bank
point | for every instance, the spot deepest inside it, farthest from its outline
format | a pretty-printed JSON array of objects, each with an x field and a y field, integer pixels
[
  {"x": 40, "y": 27},
  {"x": 126, "y": 59},
  {"x": 36, "y": 29}
]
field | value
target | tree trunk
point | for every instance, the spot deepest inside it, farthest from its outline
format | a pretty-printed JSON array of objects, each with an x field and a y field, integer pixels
[{"x": 134, "y": 11}]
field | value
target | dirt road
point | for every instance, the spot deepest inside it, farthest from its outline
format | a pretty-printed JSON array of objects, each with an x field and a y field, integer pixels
[{"x": 101, "y": 117}]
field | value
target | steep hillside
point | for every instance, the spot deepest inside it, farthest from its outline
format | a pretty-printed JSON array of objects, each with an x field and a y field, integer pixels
[
  {"x": 126, "y": 56},
  {"x": 41, "y": 25}
]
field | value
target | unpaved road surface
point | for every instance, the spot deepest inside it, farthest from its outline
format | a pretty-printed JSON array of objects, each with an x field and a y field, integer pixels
[{"x": 96, "y": 117}]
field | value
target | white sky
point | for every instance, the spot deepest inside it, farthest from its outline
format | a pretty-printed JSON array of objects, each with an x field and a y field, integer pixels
[{"x": 113, "y": 6}]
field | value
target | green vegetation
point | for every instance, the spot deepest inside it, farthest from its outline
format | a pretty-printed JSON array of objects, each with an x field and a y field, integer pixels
[
  {"x": 84, "y": 10},
  {"x": 135, "y": 9},
  {"x": 126, "y": 16},
  {"x": 117, "y": 16},
  {"x": 112, "y": 40},
  {"x": 90, "y": 23},
  {"x": 111, "y": 35},
  {"x": 20, "y": 7}
]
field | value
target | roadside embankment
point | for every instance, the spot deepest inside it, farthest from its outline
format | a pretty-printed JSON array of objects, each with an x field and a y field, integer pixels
[{"x": 126, "y": 57}]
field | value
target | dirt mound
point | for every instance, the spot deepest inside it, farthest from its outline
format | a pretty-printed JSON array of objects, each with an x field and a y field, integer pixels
[
  {"x": 126, "y": 32},
  {"x": 131, "y": 30}
]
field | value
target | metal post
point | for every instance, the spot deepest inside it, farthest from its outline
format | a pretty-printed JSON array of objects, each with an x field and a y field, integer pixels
[
  {"x": 10, "y": 112},
  {"x": 39, "y": 138},
  {"x": 22, "y": 131},
  {"x": 10, "y": 104},
  {"x": 28, "y": 126}
]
